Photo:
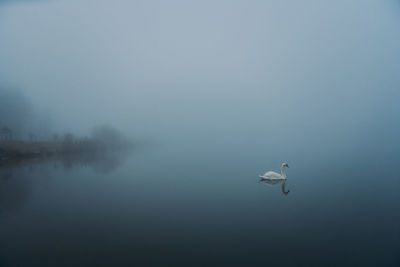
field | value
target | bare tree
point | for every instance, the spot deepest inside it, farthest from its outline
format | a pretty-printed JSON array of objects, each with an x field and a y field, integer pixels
[
  {"x": 6, "y": 133},
  {"x": 68, "y": 138},
  {"x": 31, "y": 137}
]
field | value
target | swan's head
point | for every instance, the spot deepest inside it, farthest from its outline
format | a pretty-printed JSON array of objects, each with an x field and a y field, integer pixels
[{"x": 285, "y": 165}]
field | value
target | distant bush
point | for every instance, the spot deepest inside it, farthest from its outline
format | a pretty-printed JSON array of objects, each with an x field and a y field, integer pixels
[{"x": 108, "y": 137}]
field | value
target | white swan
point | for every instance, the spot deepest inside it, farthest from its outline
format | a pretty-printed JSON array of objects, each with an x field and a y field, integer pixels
[{"x": 274, "y": 175}]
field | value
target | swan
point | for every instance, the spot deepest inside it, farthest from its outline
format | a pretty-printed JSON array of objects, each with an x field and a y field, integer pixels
[{"x": 274, "y": 175}]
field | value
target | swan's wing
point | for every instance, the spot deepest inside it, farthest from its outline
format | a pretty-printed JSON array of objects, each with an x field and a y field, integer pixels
[{"x": 272, "y": 175}]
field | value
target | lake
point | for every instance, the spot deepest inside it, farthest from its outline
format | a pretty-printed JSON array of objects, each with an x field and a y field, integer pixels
[
  {"x": 200, "y": 205},
  {"x": 212, "y": 94}
]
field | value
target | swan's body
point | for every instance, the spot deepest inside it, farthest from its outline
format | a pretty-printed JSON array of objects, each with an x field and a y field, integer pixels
[{"x": 274, "y": 175}]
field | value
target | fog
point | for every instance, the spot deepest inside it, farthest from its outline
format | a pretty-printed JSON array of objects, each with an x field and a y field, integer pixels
[
  {"x": 296, "y": 79},
  {"x": 212, "y": 93}
]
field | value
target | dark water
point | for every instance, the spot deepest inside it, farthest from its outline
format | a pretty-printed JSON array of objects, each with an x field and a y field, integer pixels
[{"x": 180, "y": 206}]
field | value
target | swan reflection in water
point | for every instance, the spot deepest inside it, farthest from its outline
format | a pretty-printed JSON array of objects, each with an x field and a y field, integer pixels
[{"x": 275, "y": 182}]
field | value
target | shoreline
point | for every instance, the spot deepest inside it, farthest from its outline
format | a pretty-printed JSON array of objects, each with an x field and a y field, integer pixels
[{"x": 10, "y": 149}]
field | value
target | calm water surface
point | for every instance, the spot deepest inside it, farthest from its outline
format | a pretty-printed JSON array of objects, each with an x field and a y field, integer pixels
[{"x": 192, "y": 205}]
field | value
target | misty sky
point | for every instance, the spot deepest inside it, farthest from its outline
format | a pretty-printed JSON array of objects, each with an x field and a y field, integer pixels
[{"x": 257, "y": 70}]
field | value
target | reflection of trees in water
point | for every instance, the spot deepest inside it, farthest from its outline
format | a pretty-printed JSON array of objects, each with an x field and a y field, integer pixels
[
  {"x": 15, "y": 189},
  {"x": 99, "y": 162},
  {"x": 17, "y": 177}
]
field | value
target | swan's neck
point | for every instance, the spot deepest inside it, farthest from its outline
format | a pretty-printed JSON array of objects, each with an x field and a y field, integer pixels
[{"x": 283, "y": 172}]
